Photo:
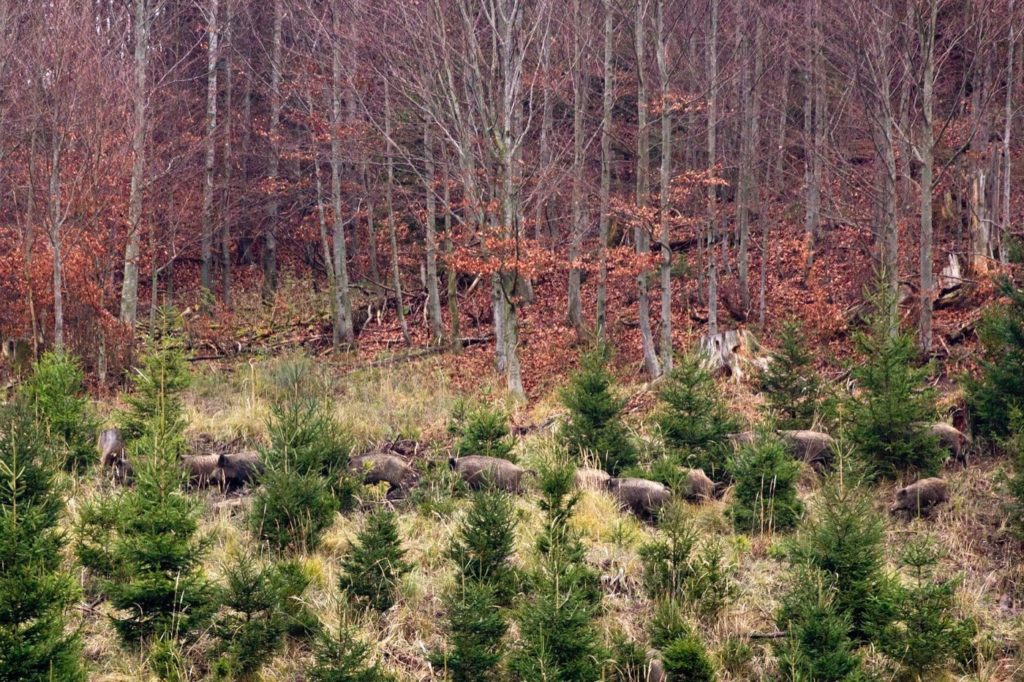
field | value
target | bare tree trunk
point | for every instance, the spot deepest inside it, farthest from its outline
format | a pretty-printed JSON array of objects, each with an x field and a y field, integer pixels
[
  {"x": 452, "y": 275},
  {"x": 210, "y": 143},
  {"x": 1007, "y": 133},
  {"x": 575, "y": 313},
  {"x": 433, "y": 296},
  {"x": 396, "y": 280},
  {"x": 664, "y": 191},
  {"x": 927, "y": 156},
  {"x": 651, "y": 364},
  {"x": 814, "y": 131},
  {"x": 55, "y": 228},
  {"x": 780, "y": 135},
  {"x": 343, "y": 325},
  {"x": 130, "y": 283},
  {"x": 269, "y": 238},
  {"x": 606, "y": 176},
  {"x": 541, "y": 227},
  {"x": 746, "y": 168},
  {"x": 371, "y": 228},
  {"x": 226, "y": 217},
  {"x": 712, "y": 227}
]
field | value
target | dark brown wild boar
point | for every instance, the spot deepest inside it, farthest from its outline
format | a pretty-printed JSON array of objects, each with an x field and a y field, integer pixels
[
  {"x": 239, "y": 469},
  {"x": 591, "y": 479},
  {"x": 644, "y": 498},
  {"x": 738, "y": 440},
  {"x": 920, "y": 496},
  {"x": 812, "y": 447},
  {"x": 201, "y": 469},
  {"x": 375, "y": 467},
  {"x": 480, "y": 472}
]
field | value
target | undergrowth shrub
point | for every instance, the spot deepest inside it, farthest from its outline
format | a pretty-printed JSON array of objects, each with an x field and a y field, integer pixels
[
  {"x": 438, "y": 491},
  {"x": 558, "y": 639},
  {"x": 595, "y": 427},
  {"x": 627, "y": 660},
  {"x": 999, "y": 389},
  {"x": 375, "y": 563},
  {"x": 56, "y": 394},
  {"x": 686, "y": 658},
  {"x": 476, "y": 629},
  {"x": 791, "y": 385},
  {"x": 693, "y": 418},
  {"x": 1014, "y": 446},
  {"x": 765, "y": 496},
  {"x": 36, "y": 642},
  {"x": 484, "y": 542},
  {"x": 888, "y": 416}
]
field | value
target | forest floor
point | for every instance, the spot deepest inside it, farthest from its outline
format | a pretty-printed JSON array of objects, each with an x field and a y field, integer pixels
[{"x": 227, "y": 408}]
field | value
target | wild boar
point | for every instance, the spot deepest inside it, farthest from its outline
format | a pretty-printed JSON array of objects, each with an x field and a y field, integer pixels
[
  {"x": 113, "y": 459},
  {"x": 953, "y": 440},
  {"x": 591, "y": 479},
  {"x": 738, "y": 440},
  {"x": 239, "y": 469},
  {"x": 654, "y": 667},
  {"x": 201, "y": 469},
  {"x": 644, "y": 498},
  {"x": 375, "y": 467},
  {"x": 920, "y": 496},
  {"x": 812, "y": 447},
  {"x": 110, "y": 445},
  {"x": 480, "y": 472},
  {"x": 699, "y": 488}
]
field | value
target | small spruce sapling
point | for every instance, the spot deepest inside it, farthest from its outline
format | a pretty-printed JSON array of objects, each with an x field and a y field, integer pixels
[
  {"x": 375, "y": 563},
  {"x": 926, "y": 634},
  {"x": 484, "y": 541},
  {"x": 36, "y": 595},
  {"x": 765, "y": 476},
  {"x": 888, "y": 417},
  {"x": 694, "y": 419},
  {"x": 999, "y": 390},
  {"x": 485, "y": 432},
  {"x": 595, "y": 427},
  {"x": 56, "y": 394},
  {"x": 476, "y": 629},
  {"x": 791, "y": 385},
  {"x": 340, "y": 657},
  {"x": 686, "y": 658},
  {"x": 291, "y": 510}
]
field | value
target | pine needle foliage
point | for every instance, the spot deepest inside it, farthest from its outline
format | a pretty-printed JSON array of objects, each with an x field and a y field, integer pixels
[
  {"x": 340, "y": 657},
  {"x": 595, "y": 427},
  {"x": 926, "y": 634},
  {"x": 36, "y": 595},
  {"x": 375, "y": 563},
  {"x": 694, "y": 420},
  {"x": 291, "y": 510},
  {"x": 686, "y": 658},
  {"x": 818, "y": 645},
  {"x": 888, "y": 417},
  {"x": 476, "y": 629},
  {"x": 765, "y": 495},
  {"x": 484, "y": 542},
  {"x": 558, "y": 639},
  {"x": 791, "y": 385},
  {"x": 993, "y": 396},
  {"x": 484, "y": 431},
  {"x": 844, "y": 540},
  {"x": 55, "y": 392},
  {"x": 144, "y": 544}
]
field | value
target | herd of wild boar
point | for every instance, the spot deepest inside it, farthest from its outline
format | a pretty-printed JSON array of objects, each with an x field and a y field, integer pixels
[{"x": 234, "y": 471}]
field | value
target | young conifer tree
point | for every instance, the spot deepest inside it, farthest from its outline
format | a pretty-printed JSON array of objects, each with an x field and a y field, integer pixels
[
  {"x": 340, "y": 657},
  {"x": 558, "y": 639},
  {"x": 926, "y": 633},
  {"x": 55, "y": 393},
  {"x": 36, "y": 595},
  {"x": 595, "y": 425},
  {"x": 145, "y": 544},
  {"x": 888, "y": 416},
  {"x": 993, "y": 396},
  {"x": 694, "y": 419},
  {"x": 485, "y": 432},
  {"x": 765, "y": 498},
  {"x": 791, "y": 385},
  {"x": 485, "y": 583},
  {"x": 844, "y": 539},
  {"x": 375, "y": 563}
]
